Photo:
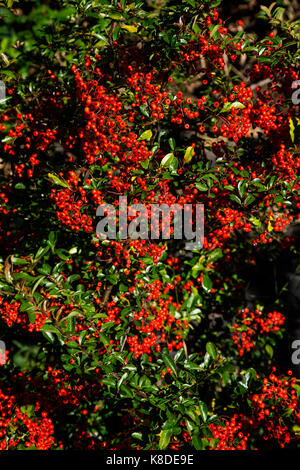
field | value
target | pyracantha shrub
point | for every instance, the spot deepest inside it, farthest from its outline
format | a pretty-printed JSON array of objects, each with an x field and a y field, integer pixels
[{"x": 141, "y": 343}]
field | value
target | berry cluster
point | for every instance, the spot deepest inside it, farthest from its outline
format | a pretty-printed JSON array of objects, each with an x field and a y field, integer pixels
[
  {"x": 250, "y": 326},
  {"x": 22, "y": 427}
]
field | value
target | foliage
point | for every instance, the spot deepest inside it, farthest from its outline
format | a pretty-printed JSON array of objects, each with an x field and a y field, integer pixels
[{"x": 141, "y": 343}]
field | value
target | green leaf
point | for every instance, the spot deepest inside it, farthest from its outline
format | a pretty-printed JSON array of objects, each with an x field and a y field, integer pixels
[
  {"x": 211, "y": 350},
  {"x": 255, "y": 221},
  {"x": 206, "y": 282},
  {"x": 214, "y": 30},
  {"x": 18, "y": 261},
  {"x": 123, "y": 287},
  {"x": 146, "y": 135},
  {"x": 243, "y": 384},
  {"x": 207, "y": 432},
  {"x": 20, "y": 186},
  {"x": 48, "y": 328},
  {"x": 145, "y": 164},
  {"x": 201, "y": 186},
  {"x": 198, "y": 442},
  {"x": 294, "y": 124},
  {"x": 167, "y": 160},
  {"x": 144, "y": 111},
  {"x": 125, "y": 391},
  {"x": 279, "y": 12},
  {"x": 137, "y": 435},
  {"x": 129, "y": 28},
  {"x": 164, "y": 439},
  {"x": 169, "y": 362},
  {"x": 203, "y": 410},
  {"x": 189, "y": 154},
  {"x": 235, "y": 104},
  {"x": 41, "y": 252},
  {"x": 266, "y": 10},
  {"x": 27, "y": 307},
  {"x": 235, "y": 198},
  {"x": 172, "y": 143},
  {"x": 242, "y": 187},
  {"x": 214, "y": 255},
  {"x": 171, "y": 162},
  {"x": 115, "y": 34},
  {"x": 249, "y": 199},
  {"x": 269, "y": 350},
  {"x": 71, "y": 324},
  {"x": 104, "y": 340},
  {"x": 58, "y": 181},
  {"x": 278, "y": 199}
]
